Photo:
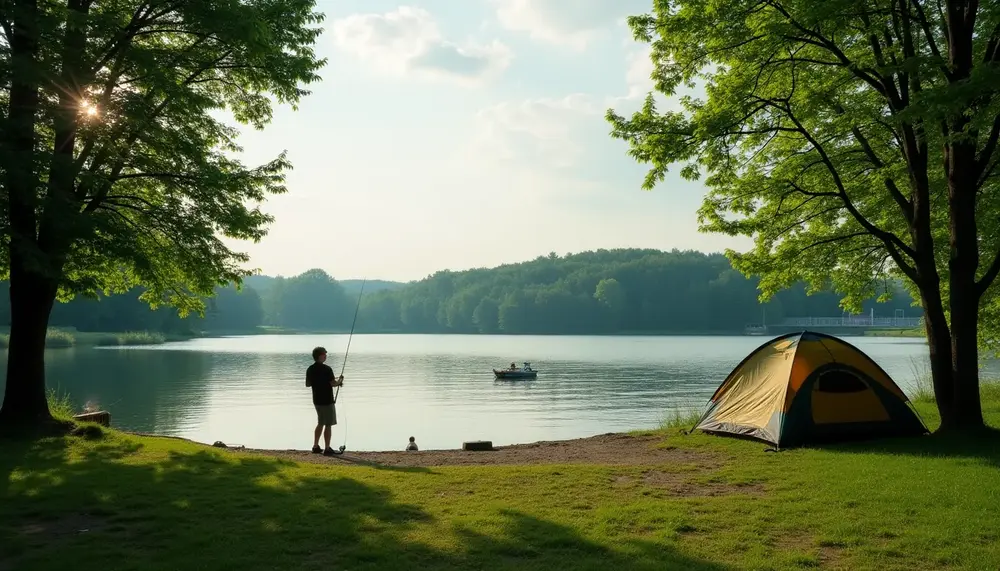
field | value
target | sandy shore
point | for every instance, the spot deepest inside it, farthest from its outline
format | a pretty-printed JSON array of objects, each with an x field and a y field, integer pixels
[{"x": 606, "y": 449}]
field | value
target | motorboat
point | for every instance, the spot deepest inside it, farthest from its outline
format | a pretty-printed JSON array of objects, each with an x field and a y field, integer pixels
[{"x": 514, "y": 372}]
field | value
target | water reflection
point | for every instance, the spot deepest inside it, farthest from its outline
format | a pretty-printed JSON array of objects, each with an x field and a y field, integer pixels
[{"x": 250, "y": 390}]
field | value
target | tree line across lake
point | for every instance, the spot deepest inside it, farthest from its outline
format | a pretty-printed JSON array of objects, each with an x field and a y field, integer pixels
[{"x": 604, "y": 291}]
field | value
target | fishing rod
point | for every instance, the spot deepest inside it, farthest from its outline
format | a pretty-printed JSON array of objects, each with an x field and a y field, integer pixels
[{"x": 347, "y": 352}]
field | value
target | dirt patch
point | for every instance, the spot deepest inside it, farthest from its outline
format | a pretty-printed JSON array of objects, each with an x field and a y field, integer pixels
[
  {"x": 829, "y": 555},
  {"x": 606, "y": 449},
  {"x": 682, "y": 484}
]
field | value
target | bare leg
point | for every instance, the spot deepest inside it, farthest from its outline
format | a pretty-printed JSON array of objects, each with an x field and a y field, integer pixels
[
  {"x": 326, "y": 435},
  {"x": 316, "y": 433}
]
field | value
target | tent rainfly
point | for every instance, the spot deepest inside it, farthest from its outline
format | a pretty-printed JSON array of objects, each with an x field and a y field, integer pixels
[{"x": 806, "y": 388}]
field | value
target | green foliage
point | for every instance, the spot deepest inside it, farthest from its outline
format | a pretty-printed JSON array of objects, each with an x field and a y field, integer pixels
[
  {"x": 141, "y": 186},
  {"x": 824, "y": 136},
  {"x": 60, "y": 405},
  {"x": 604, "y": 291},
  {"x": 131, "y": 338},
  {"x": 59, "y": 339},
  {"x": 594, "y": 292},
  {"x": 227, "y": 310},
  {"x": 312, "y": 300}
]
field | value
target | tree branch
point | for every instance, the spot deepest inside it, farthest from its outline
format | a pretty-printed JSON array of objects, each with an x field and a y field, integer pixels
[
  {"x": 832, "y": 240},
  {"x": 893, "y": 243},
  {"x": 986, "y": 154},
  {"x": 137, "y": 130},
  {"x": 991, "y": 274}
]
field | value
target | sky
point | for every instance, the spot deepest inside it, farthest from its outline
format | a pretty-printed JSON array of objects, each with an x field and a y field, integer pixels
[{"x": 457, "y": 134}]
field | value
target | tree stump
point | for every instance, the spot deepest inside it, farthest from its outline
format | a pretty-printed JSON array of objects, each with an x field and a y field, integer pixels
[
  {"x": 478, "y": 446},
  {"x": 101, "y": 417}
]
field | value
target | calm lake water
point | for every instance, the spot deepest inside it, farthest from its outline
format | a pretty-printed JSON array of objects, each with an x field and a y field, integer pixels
[{"x": 438, "y": 388}]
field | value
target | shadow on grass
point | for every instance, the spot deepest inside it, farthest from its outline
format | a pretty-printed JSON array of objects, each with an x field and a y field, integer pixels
[
  {"x": 111, "y": 504},
  {"x": 983, "y": 446}
]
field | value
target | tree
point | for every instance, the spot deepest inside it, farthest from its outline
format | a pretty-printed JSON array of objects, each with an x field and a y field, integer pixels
[
  {"x": 312, "y": 300},
  {"x": 611, "y": 295},
  {"x": 854, "y": 140},
  {"x": 117, "y": 173},
  {"x": 232, "y": 309}
]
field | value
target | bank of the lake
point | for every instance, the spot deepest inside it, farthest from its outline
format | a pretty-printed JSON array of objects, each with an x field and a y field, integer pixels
[
  {"x": 438, "y": 388},
  {"x": 665, "y": 501},
  {"x": 65, "y": 337}
]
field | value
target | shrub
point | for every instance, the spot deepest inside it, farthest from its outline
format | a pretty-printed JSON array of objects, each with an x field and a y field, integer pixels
[
  {"x": 130, "y": 338},
  {"x": 141, "y": 338},
  {"x": 59, "y": 339}
]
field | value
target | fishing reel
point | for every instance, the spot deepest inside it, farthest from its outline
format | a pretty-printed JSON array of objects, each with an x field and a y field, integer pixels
[{"x": 340, "y": 450}]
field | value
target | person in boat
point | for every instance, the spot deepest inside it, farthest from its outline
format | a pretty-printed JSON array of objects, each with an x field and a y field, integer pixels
[
  {"x": 321, "y": 378},
  {"x": 513, "y": 367},
  {"x": 412, "y": 446}
]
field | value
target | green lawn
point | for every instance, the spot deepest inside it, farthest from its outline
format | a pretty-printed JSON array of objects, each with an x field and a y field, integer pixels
[{"x": 115, "y": 501}]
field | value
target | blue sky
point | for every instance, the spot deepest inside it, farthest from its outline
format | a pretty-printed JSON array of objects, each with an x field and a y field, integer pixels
[{"x": 458, "y": 134}]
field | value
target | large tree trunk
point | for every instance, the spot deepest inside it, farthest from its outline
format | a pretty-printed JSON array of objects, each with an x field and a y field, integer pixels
[
  {"x": 965, "y": 410},
  {"x": 31, "y": 295},
  {"x": 939, "y": 346},
  {"x": 31, "y": 299}
]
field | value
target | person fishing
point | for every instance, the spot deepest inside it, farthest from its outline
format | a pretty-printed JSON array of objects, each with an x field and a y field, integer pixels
[{"x": 321, "y": 378}]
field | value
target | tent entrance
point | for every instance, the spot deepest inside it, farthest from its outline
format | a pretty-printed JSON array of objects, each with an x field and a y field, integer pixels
[{"x": 841, "y": 395}]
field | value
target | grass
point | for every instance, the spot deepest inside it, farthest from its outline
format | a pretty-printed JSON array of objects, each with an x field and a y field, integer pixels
[
  {"x": 110, "y": 500},
  {"x": 130, "y": 338},
  {"x": 918, "y": 332},
  {"x": 54, "y": 339},
  {"x": 60, "y": 338}
]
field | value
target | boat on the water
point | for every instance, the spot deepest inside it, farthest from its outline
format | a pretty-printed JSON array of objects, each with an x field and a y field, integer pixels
[{"x": 515, "y": 372}]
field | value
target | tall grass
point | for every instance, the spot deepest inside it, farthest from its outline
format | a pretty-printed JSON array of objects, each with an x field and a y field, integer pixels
[
  {"x": 923, "y": 382},
  {"x": 130, "y": 338},
  {"x": 60, "y": 405},
  {"x": 678, "y": 417},
  {"x": 54, "y": 339},
  {"x": 59, "y": 339}
]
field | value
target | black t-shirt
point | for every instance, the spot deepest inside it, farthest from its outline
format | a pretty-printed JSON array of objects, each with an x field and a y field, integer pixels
[{"x": 318, "y": 376}]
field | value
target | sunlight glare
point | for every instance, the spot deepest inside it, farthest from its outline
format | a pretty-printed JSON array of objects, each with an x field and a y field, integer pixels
[{"x": 89, "y": 109}]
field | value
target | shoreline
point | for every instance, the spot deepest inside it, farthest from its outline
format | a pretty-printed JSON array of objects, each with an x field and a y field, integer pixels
[{"x": 612, "y": 448}]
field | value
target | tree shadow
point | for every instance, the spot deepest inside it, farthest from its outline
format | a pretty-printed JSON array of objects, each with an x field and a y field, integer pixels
[
  {"x": 983, "y": 446},
  {"x": 100, "y": 505}
]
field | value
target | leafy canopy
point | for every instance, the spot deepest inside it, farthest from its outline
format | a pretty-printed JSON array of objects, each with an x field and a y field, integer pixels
[
  {"x": 138, "y": 92},
  {"x": 823, "y": 132}
]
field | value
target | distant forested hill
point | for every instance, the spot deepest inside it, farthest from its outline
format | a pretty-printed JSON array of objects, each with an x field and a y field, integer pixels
[{"x": 604, "y": 291}]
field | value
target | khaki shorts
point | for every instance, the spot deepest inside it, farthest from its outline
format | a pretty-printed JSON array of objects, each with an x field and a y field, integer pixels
[{"x": 326, "y": 415}]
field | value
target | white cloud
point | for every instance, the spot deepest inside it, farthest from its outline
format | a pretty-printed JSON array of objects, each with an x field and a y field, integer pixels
[
  {"x": 551, "y": 132},
  {"x": 408, "y": 41},
  {"x": 571, "y": 24},
  {"x": 638, "y": 72}
]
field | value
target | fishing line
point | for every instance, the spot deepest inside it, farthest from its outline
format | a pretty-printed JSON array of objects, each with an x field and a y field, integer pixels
[{"x": 343, "y": 365}]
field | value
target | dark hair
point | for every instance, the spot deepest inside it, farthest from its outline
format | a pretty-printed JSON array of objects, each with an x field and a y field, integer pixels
[
  {"x": 317, "y": 352},
  {"x": 411, "y": 439}
]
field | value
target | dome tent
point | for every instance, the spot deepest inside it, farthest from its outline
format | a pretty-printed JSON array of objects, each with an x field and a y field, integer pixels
[{"x": 804, "y": 388}]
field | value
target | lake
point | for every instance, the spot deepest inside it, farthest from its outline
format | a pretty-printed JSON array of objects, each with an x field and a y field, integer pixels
[{"x": 439, "y": 388}]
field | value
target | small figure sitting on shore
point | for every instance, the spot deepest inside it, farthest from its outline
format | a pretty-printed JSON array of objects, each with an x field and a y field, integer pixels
[{"x": 412, "y": 446}]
